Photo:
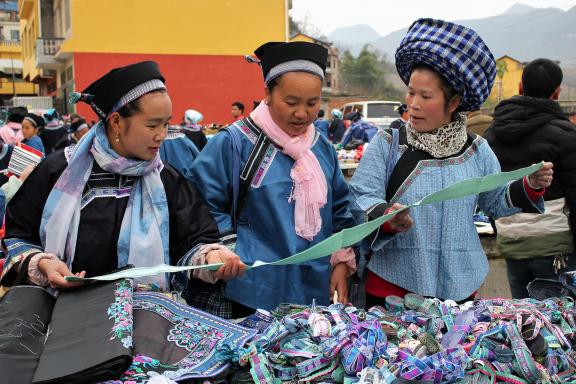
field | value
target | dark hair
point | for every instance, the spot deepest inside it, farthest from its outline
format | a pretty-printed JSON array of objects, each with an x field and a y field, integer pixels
[
  {"x": 38, "y": 120},
  {"x": 447, "y": 90},
  {"x": 273, "y": 83},
  {"x": 238, "y": 105},
  {"x": 16, "y": 114},
  {"x": 540, "y": 78},
  {"x": 320, "y": 113},
  {"x": 403, "y": 108},
  {"x": 133, "y": 107}
]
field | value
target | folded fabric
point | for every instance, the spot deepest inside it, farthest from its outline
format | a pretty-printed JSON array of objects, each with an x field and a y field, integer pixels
[
  {"x": 25, "y": 313},
  {"x": 90, "y": 337},
  {"x": 177, "y": 341}
]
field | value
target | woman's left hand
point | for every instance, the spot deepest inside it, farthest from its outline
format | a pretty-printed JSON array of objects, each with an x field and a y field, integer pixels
[
  {"x": 543, "y": 177},
  {"x": 339, "y": 282}
]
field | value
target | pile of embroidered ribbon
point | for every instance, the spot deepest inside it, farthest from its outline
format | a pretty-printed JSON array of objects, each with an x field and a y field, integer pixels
[{"x": 515, "y": 341}]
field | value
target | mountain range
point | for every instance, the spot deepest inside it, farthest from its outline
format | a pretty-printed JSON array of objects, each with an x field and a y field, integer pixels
[{"x": 522, "y": 32}]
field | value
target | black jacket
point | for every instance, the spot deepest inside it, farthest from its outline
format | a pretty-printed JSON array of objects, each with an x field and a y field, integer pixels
[{"x": 528, "y": 130}]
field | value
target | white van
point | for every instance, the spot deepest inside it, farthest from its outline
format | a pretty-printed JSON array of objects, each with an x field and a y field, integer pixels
[{"x": 381, "y": 113}]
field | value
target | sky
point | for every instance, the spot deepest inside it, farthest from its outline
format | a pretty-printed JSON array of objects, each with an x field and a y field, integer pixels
[{"x": 386, "y": 16}]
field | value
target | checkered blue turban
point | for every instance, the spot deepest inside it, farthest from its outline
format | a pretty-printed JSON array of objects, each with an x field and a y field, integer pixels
[{"x": 456, "y": 52}]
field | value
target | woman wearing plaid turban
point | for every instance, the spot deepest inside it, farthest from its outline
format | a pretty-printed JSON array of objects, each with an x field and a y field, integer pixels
[{"x": 448, "y": 70}]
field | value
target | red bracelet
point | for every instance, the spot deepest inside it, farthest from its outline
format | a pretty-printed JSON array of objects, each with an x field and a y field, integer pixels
[
  {"x": 533, "y": 194},
  {"x": 386, "y": 227}
]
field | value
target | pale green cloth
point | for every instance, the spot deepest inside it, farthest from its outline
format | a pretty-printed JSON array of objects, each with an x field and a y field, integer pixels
[
  {"x": 11, "y": 187},
  {"x": 346, "y": 237}
]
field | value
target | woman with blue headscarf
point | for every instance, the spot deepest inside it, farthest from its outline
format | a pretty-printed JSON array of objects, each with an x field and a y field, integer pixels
[
  {"x": 337, "y": 128},
  {"x": 448, "y": 70},
  {"x": 192, "y": 128},
  {"x": 109, "y": 201}
]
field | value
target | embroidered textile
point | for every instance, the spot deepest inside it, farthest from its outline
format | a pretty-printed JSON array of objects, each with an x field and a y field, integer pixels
[{"x": 177, "y": 341}]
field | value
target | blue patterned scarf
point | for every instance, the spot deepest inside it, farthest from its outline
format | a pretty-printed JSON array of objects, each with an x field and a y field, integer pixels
[{"x": 144, "y": 232}]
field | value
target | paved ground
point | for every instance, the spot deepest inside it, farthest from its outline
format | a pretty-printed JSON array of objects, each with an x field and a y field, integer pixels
[{"x": 496, "y": 284}]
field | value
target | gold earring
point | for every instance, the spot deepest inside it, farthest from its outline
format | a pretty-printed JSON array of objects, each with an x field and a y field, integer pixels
[{"x": 117, "y": 138}]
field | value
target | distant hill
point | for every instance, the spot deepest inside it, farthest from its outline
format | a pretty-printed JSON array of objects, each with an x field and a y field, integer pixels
[
  {"x": 518, "y": 9},
  {"x": 522, "y": 32},
  {"x": 353, "y": 38}
]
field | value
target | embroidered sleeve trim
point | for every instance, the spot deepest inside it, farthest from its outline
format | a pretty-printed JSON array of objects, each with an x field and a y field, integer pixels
[{"x": 17, "y": 250}]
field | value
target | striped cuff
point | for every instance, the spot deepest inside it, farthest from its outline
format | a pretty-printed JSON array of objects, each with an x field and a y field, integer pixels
[
  {"x": 344, "y": 255},
  {"x": 35, "y": 276},
  {"x": 228, "y": 239},
  {"x": 377, "y": 211},
  {"x": 200, "y": 258}
]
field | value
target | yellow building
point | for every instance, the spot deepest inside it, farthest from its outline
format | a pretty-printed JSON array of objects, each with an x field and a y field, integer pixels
[
  {"x": 198, "y": 44},
  {"x": 507, "y": 79},
  {"x": 332, "y": 78},
  {"x": 11, "y": 82}
]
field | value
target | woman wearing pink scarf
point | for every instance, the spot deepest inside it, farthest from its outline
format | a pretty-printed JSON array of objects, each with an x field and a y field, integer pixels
[
  {"x": 274, "y": 186},
  {"x": 11, "y": 133}
]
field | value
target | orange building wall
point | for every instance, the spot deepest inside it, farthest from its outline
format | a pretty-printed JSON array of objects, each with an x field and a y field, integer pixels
[{"x": 209, "y": 84}]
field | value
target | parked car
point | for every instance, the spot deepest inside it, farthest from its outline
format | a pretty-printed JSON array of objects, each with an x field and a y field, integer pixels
[{"x": 381, "y": 113}]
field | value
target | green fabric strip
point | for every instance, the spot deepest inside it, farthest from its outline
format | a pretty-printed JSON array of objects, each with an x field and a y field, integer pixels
[{"x": 349, "y": 236}]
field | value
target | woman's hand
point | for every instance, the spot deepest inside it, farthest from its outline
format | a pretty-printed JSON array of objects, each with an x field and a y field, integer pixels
[
  {"x": 233, "y": 266},
  {"x": 26, "y": 172},
  {"x": 402, "y": 222},
  {"x": 55, "y": 270},
  {"x": 542, "y": 178},
  {"x": 339, "y": 282}
]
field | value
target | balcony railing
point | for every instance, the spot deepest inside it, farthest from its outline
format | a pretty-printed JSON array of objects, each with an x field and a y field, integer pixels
[
  {"x": 46, "y": 49},
  {"x": 10, "y": 43}
]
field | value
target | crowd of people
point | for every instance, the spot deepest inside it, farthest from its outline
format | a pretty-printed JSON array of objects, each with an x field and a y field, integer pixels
[{"x": 269, "y": 185}]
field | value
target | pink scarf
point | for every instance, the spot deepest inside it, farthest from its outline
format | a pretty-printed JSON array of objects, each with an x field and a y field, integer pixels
[
  {"x": 11, "y": 133},
  {"x": 310, "y": 189}
]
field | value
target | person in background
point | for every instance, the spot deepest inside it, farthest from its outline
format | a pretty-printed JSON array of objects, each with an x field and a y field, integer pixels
[
  {"x": 237, "y": 110},
  {"x": 401, "y": 122},
  {"x": 110, "y": 201},
  {"x": 478, "y": 122},
  {"x": 572, "y": 117},
  {"x": 337, "y": 128},
  {"x": 31, "y": 124},
  {"x": 53, "y": 131},
  {"x": 76, "y": 130},
  {"x": 529, "y": 128},
  {"x": 359, "y": 132},
  {"x": 293, "y": 195},
  {"x": 5, "y": 155},
  {"x": 72, "y": 118},
  {"x": 11, "y": 132},
  {"x": 321, "y": 124},
  {"x": 435, "y": 250},
  {"x": 192, "y": 128}
]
